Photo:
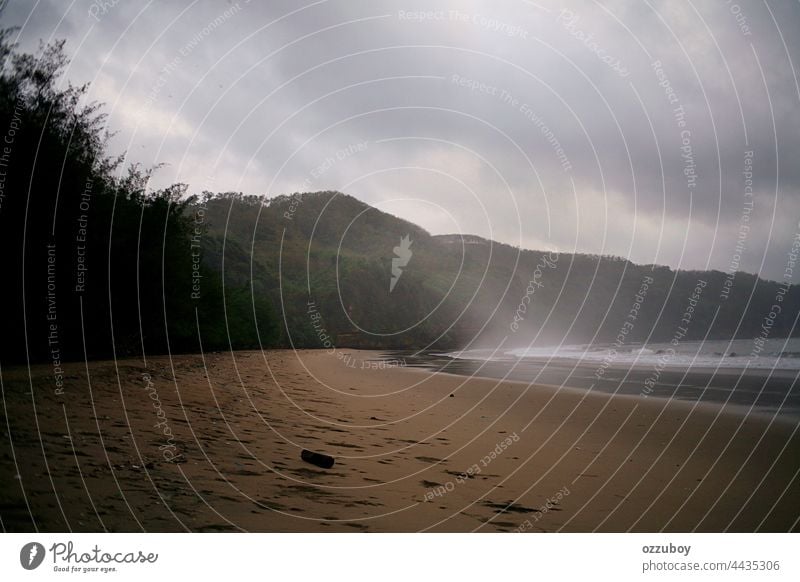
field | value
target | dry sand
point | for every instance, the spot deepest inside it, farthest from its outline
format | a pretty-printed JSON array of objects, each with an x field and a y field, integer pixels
[{"x": 94, "y": 459}]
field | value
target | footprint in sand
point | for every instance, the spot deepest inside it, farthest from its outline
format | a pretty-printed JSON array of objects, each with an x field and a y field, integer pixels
[{"x": 430, "y": 460}]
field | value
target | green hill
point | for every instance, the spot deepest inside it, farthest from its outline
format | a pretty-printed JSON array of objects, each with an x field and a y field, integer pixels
[{"x": 324, "y": 261}]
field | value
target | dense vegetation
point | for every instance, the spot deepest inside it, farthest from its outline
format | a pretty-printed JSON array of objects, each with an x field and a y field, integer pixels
[
  {"x": 335, "y": 251},
  {"x": 95, "y": 263}
]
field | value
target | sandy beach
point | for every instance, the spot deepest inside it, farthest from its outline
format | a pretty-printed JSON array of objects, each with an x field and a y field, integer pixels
[{"x": 212, "y": 443}]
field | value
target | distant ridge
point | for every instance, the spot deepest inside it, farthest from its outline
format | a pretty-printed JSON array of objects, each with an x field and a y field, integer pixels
[{"x": 457, "y": 289}]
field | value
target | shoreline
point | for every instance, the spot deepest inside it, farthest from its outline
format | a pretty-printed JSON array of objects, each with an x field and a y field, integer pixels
[
  {"x": 731, "y": 371},
  {"x": 763, "y": 391},
  {"x": 240, "y": 421},
  {"x": 732, "y": 409}
]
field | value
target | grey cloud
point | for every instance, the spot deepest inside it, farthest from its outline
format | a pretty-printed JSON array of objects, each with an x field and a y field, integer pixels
[{"x": 545, "y": 86}]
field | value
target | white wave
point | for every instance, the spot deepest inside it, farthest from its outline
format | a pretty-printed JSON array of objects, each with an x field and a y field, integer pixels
[{"x": 777, "y": 353}]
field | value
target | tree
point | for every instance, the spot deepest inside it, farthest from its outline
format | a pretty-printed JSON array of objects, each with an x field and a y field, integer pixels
[{"x": 98, "y": 265}]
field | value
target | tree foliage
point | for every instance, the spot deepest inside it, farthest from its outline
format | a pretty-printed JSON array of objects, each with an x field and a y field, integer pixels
[
  {"x": 335, "y": 251},
  {"x": 97, "y": 263}
]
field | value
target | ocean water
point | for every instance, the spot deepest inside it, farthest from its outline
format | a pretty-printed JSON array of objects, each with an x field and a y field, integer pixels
[
  {"x": 732, "y": 374},
  {"x": 742, "y": 354}
]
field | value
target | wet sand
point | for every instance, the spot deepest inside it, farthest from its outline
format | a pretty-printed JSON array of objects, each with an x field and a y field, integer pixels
[{"x": 213, "y": 444}]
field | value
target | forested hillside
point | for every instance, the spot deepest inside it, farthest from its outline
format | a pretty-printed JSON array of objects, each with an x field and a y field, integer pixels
[{"x": 325, "y": 261}]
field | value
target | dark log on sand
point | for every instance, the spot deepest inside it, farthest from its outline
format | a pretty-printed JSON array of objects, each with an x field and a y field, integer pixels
[{"x": 317, "y": 459}]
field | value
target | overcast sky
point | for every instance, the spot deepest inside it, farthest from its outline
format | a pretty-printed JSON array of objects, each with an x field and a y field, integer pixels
[{"x": 618, "y": 128}]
